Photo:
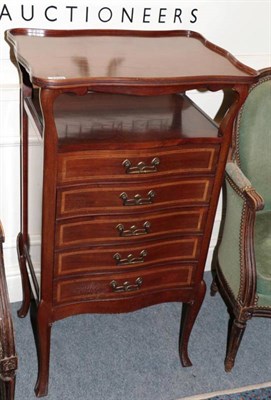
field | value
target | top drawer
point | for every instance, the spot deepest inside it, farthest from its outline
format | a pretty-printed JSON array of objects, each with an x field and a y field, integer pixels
[{"x": 122, "y": 165}]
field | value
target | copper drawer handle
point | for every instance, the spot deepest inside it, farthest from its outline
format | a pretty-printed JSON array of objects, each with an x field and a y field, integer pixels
[
  {"x": 126, "y": 286},
  {"x": 141, "y": 167},
  {"x": 138, "y": 200},
  {"x": 133, "y": 230},
  {"x": 130, "y": 259}
]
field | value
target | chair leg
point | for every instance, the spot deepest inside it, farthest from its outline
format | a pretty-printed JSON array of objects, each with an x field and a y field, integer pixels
[
  {"x": 214, "y": 287},
  {"x": 42, "y": 331},
  {"x": 8, "y": 387},
  {"x": 236, "y": 332},
  {"x": 189, "y": 315},
  {"x": 22, "y": 312}
]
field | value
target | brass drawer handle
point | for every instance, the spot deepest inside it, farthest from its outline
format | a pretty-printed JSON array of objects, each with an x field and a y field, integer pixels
[
  {"x": 126, "y": 286},
  {"x": 134, "y": 231},
  {"x": 138, "y": 200},
  {"x": 130, "y": 258},
  {"x": 141, "y": 167}
]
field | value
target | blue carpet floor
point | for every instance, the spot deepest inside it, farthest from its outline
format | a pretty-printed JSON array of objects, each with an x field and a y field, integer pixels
[
  {"x": 258, "y": 394},
  {"x": 135, "y": 356}
]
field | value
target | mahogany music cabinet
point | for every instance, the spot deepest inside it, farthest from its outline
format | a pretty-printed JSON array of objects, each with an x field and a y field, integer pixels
[{"x": 132, "y": 171}]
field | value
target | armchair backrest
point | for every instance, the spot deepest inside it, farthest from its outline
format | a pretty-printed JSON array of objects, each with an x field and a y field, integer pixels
[{"x": 253, "y": 137}]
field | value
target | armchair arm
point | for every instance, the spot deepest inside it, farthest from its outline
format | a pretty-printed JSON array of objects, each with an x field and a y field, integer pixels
[
  {"x": 237, "y": 176},
  {"x": 244, "y": 187},
  {"x": 236, "y": 256}
]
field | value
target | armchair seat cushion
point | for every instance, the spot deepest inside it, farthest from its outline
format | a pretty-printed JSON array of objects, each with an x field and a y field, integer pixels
[{"x": 263, "y": 254}]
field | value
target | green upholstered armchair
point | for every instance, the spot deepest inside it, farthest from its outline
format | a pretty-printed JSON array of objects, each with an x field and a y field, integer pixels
[{"x": 243, "y": 255}]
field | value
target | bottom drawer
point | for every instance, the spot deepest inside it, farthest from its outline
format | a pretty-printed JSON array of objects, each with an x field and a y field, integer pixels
[{"x": 116, "y": 286}]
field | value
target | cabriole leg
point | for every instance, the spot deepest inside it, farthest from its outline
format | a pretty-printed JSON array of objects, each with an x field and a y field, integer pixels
[
  {"x": 42, "y": 328},
  {"x": 189, "y": 315}
]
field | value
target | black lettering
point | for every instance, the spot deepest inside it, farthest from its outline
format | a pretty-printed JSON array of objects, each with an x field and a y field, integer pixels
[
  {"x": 178, "y": 13},
  {"x": 72, "y": 8},
  {"x": 130, "y": 17},
  {"x": 194, "y": 16},
  {"x": 146, "y": 15},
  {"x": 86, "y": 14},
  {"x": 161, "y": 15},
  {"x": 5, "y": 13},
  {"x": 23, "y": 16},
  {"x": 46, "y": 14},
  {"x": 109, "y": 17}
]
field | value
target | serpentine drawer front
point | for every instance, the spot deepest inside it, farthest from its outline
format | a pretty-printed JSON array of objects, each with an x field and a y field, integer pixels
[
  {"x": 129, "y": 166},
  {"x": 118, "y": 286},
  {"x": 98, "y": 199},
  {"x": 129, "y": 173},
  {"x": 123, "y": 257},
  {"x": 129, "y": 229}
]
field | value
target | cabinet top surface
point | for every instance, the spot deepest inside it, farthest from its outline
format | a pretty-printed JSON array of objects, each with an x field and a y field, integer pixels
[{"x": 58, "y": 58}]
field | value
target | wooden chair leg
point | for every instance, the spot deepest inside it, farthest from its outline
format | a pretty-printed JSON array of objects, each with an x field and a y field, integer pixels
[
  {"x": 22, "y": 312},
  {"x": 7, "y": 391},
  {"x": 236, "y": 331},
  {"x": 189, "y": 315},
  {"x": 214, "y": 287}
]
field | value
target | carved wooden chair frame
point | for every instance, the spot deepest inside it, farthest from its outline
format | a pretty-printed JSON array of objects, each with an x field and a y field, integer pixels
[
  {"x": 8, "y": 357},
  {"x": 244, "y": 306}
]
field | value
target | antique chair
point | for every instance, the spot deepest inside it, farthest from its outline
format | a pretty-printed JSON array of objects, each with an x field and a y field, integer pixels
[
  {"x": 243, "y": 255},
  {"x": 8, "y": 358}
]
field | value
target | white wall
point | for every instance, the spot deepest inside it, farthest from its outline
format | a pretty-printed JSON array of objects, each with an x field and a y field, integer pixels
[{"x": 241, "y": 27}]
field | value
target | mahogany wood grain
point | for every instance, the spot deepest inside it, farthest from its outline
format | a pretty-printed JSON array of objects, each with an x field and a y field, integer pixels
[
  {"x": 120, "y": 58},
  {"x": 104, "y": 165},
  {"x": 97, "y": 199},
  {"x": 98, "y": 99},
  {"x": 98, "y": 287},
  {"x": 95, "y": 230},
  {"x": 93, "y": 260},
  {"x": 168, "y": 119}
]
